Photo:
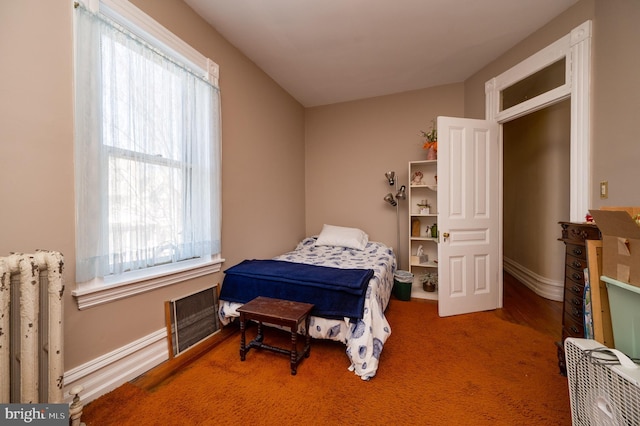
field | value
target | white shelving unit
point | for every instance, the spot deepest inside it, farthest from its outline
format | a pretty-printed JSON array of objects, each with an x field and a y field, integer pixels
[{"x": 420, "y": 223}]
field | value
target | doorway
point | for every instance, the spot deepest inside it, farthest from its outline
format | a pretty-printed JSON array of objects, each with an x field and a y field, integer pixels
[
  {"x": 573, "y": 53},
  {"x": 536, "y": 182}
]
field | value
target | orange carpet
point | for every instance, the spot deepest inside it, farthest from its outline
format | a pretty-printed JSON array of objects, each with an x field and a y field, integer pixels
[{"x": 472, "y": 369}]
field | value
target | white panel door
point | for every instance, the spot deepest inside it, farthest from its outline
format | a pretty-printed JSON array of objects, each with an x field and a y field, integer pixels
[{"x": 469, "y": 248}]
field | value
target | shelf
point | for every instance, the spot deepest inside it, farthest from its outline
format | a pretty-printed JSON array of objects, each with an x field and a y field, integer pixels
[
  {"x": 423, "y": 193},
  {"x": 425, "y": 238},
  {"x": 418, "y": 293},
  {"x": 431, "y": 187},
  {"x": 425, "y": 265}
]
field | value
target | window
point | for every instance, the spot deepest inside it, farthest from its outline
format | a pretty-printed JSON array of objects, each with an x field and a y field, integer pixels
[
  {"x": 147, "y": 154},
  {"x": 540, "y": 82}
]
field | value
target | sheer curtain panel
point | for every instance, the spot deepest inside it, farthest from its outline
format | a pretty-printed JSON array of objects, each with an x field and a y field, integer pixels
[{"x": 147, "y": 154}]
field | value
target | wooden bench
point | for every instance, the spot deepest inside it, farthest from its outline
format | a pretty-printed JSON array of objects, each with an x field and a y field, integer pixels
[{"x": 284, "y": 313}]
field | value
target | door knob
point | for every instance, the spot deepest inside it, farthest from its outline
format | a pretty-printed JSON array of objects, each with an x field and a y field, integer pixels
[{"x": 445, "y": 235}]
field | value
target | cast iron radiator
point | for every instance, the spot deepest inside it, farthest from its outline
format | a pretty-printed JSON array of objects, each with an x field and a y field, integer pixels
[{"x": 31, "y": 358}]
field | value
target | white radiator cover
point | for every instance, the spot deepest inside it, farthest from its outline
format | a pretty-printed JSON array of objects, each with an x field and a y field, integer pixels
[
  {"x": 191, "y": 319},
  {"x": 31, "y": 292}
]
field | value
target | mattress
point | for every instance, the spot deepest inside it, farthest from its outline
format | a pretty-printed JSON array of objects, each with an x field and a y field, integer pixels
[{"x": 364, "y": 337}]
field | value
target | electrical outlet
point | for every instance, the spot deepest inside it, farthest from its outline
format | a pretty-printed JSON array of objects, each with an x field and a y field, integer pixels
[{"x": 604, "y": 189}]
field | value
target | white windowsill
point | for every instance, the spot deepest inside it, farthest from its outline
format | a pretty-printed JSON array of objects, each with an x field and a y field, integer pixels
[{"x": 98, "y": 292}]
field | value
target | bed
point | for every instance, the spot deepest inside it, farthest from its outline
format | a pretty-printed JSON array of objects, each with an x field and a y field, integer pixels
[{"x": 364, "y": 336}]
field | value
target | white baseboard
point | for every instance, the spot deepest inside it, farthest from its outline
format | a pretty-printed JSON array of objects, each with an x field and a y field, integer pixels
[
  {"x": 545, "y": 287},
  {"x": 111, "y": 370}
]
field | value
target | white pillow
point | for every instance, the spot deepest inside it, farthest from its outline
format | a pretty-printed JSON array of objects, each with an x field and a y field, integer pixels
[{"x": 342, "y": 237}]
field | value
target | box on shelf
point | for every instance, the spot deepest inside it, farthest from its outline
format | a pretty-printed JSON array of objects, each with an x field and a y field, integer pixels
[
  {"x": 416, "y": 260},
  {"x": 620, "y": 245}
]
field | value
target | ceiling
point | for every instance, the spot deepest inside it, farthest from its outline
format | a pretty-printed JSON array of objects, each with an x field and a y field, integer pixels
[{"x": 328, "y": 51}]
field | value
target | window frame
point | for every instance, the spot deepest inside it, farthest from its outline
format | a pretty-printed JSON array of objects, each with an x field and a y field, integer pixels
[{"x": 108, "y": 289}]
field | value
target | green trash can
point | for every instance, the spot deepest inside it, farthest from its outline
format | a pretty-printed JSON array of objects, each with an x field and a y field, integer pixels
[{"x": 402, "y": 282}]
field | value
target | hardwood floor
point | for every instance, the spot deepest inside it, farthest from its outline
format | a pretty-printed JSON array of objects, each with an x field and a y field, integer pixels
[{"x": 522, "y": 306}]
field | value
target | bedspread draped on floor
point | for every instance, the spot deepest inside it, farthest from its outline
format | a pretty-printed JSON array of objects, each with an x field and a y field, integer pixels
[{"x": 364, "y": 337}]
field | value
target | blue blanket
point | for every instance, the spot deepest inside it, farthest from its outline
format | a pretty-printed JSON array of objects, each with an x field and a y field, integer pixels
[{"x": 334, "y": 292}]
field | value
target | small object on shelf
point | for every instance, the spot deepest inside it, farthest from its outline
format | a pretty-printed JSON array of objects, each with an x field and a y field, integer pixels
[
  {"x": 429, "y": 281},
  {"x": 432, "y": 152},
  {"x": 418, "y": 260},
  {"x": 431, "y": 141},
  {"x": 420, "y": 257},
  {"x": 434, "y": 231},
  {"x": 424, "y": 207},
  {"x": 415, "y": 227},
  {"x": 417, "y": 178}
]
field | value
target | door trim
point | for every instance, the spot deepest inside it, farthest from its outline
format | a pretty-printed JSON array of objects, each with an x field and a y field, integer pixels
[{"x": 575, "y": 47}]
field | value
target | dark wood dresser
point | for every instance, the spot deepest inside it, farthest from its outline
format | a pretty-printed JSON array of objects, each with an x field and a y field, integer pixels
[{"x": 574, "y": 236}]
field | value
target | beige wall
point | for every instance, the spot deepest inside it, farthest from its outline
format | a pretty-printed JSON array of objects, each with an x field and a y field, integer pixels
[
  {"x": 616, "y": 105},
  {"x": 263, "y": 160},
  {"x": 350, "y": 146}
]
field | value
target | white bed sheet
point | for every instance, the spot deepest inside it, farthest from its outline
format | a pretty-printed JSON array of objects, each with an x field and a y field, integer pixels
[{"x": 366, "y": 337}]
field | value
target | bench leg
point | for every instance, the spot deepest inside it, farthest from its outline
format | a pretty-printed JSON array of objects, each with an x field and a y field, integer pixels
[
  {"x": 294, "y": 351},
  {"x": 307, "y": 347},
  {"x": 260, "y": 336},
  {"x": 242, "y": 338}
]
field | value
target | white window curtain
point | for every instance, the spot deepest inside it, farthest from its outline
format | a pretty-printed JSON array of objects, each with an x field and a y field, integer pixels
[{"x": 147, "y": 155}]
